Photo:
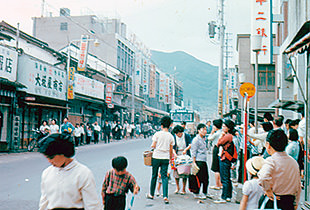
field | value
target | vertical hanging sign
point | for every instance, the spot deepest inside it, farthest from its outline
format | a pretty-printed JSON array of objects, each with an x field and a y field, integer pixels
[
  {"x": 261, "y": 25},
  {"x": 71, "y": 82},
  {"x": 145, "y": 77},
  {"x": 82, "y": 56},
  {"x": 162, "y": 87},
  {"x": 152, "y": 80}
]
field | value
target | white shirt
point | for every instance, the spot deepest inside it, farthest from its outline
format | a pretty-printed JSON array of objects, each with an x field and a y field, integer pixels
[
  {"x": 44, "y": 128},
  {"x": 302, "y": 128},
  {"x": 181, "y": 144},
  {"x": 97, "y": 127},
  {"x": 215, "y": 136},
  {"x": 78, "y": 131},
  {"x": 70, "y": 187},
  {"x": 54, "y": 129},
  {"x": 252, "y": 189},
  {"x": 163, "y": 141}
]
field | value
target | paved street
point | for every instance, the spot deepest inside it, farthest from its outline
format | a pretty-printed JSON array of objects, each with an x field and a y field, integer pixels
[{"x": 20, "y": 177}]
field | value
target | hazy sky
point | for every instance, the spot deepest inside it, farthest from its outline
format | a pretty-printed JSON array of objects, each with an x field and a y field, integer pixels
[{"x": 166, "y": 25}]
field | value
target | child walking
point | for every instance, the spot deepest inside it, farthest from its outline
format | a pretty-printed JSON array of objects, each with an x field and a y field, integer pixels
[
  {"x": 251, "y": 189},
  {"x": 116, "y": 184}
]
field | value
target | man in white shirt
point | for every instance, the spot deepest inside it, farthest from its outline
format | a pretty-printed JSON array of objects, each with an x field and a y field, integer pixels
[
  {"x": 97, "y": 130},
  {"x": 77, "y": 134}
]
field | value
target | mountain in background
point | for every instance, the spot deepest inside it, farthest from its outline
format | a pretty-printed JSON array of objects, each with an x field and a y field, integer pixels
[{"x": 200, "y": 79}]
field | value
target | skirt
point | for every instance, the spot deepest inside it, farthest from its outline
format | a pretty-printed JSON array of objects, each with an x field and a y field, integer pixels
[{"x": 215, "y": 167}]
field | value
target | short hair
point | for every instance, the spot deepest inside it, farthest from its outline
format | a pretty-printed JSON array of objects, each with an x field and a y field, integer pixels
[
  {"x": 268, "y": 116},
  {"x": 183, "y": 123},
  {"x": 77, "y": 124},
  {"x": 201, "y": 125},
  {"x": 278, "y": 121},
  {"x": 252, "y": 122},
  {"x": 57, "y": 144},
  {"x": 44, "y": 121},
  {"x": 231, "y": 126},
  {"x": 292, "y": 123},
  {"x": 218, "y": 123},
  {"x": 281, "y": 116},
  {"x": 54, "y": 120},
  {"x": 293, "y": 134},
  {"x": 119, "y": 163},
  {"x": 166, "y": 121},
  {"x": 297, "y": 121},
  {"x": 267, "y": 126},
  {"x": 178, "y": 129},
  {"x": 288, "y": 121},
  {"x": 277, "y": 140},
  {"x": 66, "y": 118}
]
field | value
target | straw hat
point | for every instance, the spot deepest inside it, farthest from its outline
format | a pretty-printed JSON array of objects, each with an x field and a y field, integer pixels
[{"x": 254, "y": 164}]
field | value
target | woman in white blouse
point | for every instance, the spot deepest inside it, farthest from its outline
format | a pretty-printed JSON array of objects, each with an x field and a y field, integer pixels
[{"x": 66, "y": 184}]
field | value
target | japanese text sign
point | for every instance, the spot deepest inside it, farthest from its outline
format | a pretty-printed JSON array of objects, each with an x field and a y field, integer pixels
[
  {"x": 162, "y": 87},
  {"x": 83, "y": 53},
  {"x": 8, "y": 63},
  {"x": 261, "y": 25},
  {"x": 41, "y": 78},
  {"x": 145, "y": 77},
  {"x": 109, "y": 93},
  {"x": 89, "y": 87},
  {"x": 71, "y": 83},
  {"x": 152, "y": 80}
]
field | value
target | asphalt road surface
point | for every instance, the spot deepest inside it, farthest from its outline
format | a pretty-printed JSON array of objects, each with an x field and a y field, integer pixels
[{"x": 20, "y": 176}]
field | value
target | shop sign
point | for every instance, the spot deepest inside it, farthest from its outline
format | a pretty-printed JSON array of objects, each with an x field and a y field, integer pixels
[
  {"x": 71, "y": 82},
  {"x": 83, "y": 53},
  {"x": 8, "y": 63},
  {"x": 110, "y": 106},
  {"x": 152, "y": 80},
  {"x": 261, "y": 25},
  {"x": 89, "y": 87},
  {"x": 145, "y": 77},
  {"x": 162, "y": 87},
  {"x": 138, "y": 73},
  {"x": 109, "y": 93},
  {"x": 41, "y": 78}
]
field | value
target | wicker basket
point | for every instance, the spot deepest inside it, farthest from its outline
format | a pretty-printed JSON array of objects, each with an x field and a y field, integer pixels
[{"x": 147, "y": 155}]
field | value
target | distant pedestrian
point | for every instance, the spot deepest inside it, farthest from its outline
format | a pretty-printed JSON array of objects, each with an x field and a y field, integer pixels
[
  {"x": 106, "y": 132},
  {"x": 67, "y": 127},
  {"x": 251, "y": 190},
  {"x": 162, "y": 144},
  {"x": 292, "y": 149},
  {"x": 54, "y": 127},
  {"x": 209, "y": 127},
  {"x": 82, "y": 126},
  {"x": 77, "y": 134},
  {"x": 66, "y": 184},
  {"x": 118, "y": 131},
  {"x": 89, "y": 133},
  {"x": 97, "y": 130},
  {"x": 116, "y": 184},
  {"x": 280, "y": 173}
]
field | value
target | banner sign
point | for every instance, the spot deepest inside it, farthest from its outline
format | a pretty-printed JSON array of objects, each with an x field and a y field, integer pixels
[
  {"x": 71, "y": 83},
  {"x": 162, "y": 87},
  {"x": 8, "y": 63},
  {"x": 41, "y": 78},
  {"x": 109, "y": 93},
  {"x": 170, "y": 90},
  {"x": 261, "y": 25},
  {"x": 83, "y": 53},
  {"x": 138, "y": 73},
  {"x": 152, "y": 80},
  {"x": 145, "y": 77},
  {"x": 89, "y": 87}
]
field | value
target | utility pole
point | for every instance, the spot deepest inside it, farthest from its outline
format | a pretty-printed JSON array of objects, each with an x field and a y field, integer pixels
[{"x": 220, "y": 81}]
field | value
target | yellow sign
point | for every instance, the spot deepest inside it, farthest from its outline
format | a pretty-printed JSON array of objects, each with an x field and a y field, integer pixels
[
  {"x": 70, "y": 82},
  {"x": 248, "y": 88}
]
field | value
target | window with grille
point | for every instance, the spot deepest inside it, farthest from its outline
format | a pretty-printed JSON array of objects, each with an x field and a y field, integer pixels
[
  {"x": 266, "y": 77},
  {"x": 64, "y": 26}
]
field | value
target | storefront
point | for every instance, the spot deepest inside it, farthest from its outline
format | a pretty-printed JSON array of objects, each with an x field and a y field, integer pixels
[
  {"x": 88, "y": 103},
  {"x": 44, "y": 97}
]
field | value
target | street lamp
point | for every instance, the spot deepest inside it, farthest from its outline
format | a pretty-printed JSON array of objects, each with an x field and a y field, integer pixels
[{"x": 256, "y": 42}]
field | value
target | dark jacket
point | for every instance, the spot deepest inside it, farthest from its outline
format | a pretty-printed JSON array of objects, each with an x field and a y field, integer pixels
[
  {"x": 106, "y": 129},
  {"x": 188, "y": 141}
]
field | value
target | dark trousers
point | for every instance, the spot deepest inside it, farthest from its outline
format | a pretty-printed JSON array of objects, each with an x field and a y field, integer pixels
[
  {"x": 286, "y": 202},
  {"x": 225, "y": 179},
  {"x": 163, "y": 165},
  {"x": 77, "y": 140},
  {"x": 112, "y": 202},
  {"x": 96, "y": 137},
  {"x": 203, "y": 176},
  {"x": 107, "y": 137},
  {"x": 88, "y": 138},
  {"x": 241, "y": 164},
  {"x": 82, "y": 139}
]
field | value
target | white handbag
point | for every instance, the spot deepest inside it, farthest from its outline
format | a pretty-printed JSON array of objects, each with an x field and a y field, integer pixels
[
  {"x": 275, "y": 206},
  {"x": 194, "y": 169}
]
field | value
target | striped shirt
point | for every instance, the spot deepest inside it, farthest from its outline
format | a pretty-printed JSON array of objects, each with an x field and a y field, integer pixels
[{"x": 117, "y": 184}]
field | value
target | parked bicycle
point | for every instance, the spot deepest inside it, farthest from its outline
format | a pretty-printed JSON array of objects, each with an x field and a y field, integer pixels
[{"x": 34, "y": 142}]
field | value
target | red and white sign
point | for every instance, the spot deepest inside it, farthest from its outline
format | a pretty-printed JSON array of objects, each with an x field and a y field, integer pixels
[
  {"x": 261, "y": 25},
  {"x": 109, "y": 93},
  {"x": 83, "y": 53}
]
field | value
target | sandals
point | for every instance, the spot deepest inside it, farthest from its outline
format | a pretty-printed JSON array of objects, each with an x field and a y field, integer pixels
[
  {"x": 148, "y": 196},
  {"x": 176, "y": 192},
  {"x": 166, "y": 201},
  {"x": 182, "y": 193}
]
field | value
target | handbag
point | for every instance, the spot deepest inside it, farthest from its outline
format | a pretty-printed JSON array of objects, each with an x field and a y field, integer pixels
[
  {"x": 275, "y": 206},
  {"x": 194, "y": 169}
]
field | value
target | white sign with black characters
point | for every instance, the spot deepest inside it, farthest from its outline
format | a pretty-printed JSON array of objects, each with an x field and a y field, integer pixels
[
  {"x": 41, "y": 78},
  {"x": 89, "y": 87},
  {"x": 8, "y": 63}
]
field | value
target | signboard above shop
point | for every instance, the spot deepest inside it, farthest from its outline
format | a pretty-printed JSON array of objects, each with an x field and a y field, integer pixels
[
  {"x": 88, "y": 87},
  {"x": 8, "y": 63},
  {"x": 182, "y": 114}
]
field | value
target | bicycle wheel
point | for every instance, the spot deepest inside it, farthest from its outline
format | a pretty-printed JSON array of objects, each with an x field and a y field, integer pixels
[{"x": 31, "y": 145}]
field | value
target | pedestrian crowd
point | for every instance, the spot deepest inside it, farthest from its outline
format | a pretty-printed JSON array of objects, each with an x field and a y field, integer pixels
[{"x": 274, "y": 164}]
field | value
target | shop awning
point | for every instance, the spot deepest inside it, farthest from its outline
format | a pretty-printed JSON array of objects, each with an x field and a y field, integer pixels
[
  {"x": 288, "y": 105},
  {"x": 301, "y": 42},
  {"x": 47, "y": 105},
  {"x": 153, "y": 110},
  {"x": 15, "y": 84}
]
